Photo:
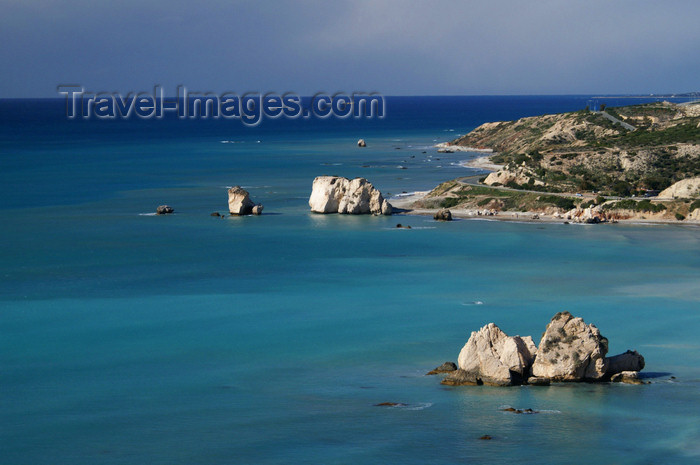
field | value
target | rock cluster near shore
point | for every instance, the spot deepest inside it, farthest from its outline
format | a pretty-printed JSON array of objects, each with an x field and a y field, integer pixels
[
  {"x": 239, "y": 202},
  {"x": 570, "y": 350},
  {"x": 335, "y": 194},
  {"x": 590, "y": 215}
]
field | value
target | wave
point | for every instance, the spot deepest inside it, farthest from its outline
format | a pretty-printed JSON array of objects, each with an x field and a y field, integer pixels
[
  {"x": 407, "y": 194},
  {"x": 148, "y": 214}
]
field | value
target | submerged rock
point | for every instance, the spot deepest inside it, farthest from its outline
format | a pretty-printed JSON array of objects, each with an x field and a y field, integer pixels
[
  {"x": 334, "y": 194},
  {"x": 460, "y": 377},
  {"x": 446, "y": 367},
  {"x": 629, "y": 377},
  {"x": 164, "y": 210},
  {"x": 571, "y": 350},
  {"x": 239, "y": 202},
  {"x": 518, "y": 411},
  {"x": 535, "y": 381}
]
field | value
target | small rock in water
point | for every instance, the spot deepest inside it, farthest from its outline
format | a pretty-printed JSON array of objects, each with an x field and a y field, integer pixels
[
  {"x": 486, "y": 437},
  {"x": 164, "y": 210},
  {"x": 519, "y": 411},
  {"x": 444, "y": 368},
  {"x": 535, "y": 381},
  {"x": 361, "y": 143},
  {"x": 257, "y": 210},
  {"x": 216, "y": 214},
  {"x": 390, "y": 404},
  {"x": 443, "y": 215},
  {"x": 629, "y": 377}
]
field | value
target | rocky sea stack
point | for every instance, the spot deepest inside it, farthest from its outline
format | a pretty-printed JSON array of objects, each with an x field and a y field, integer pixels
[
  {"x": 335, "y": 194},
  {"x": 239, "y": 202},
  {"x": 570, "y": 350}
]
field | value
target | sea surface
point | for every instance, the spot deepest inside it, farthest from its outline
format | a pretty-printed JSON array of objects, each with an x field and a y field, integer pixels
[{"x": 129, "y": 338}]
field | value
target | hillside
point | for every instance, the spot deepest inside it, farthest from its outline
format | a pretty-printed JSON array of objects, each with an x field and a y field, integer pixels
[{"x": 622, "y": 151}]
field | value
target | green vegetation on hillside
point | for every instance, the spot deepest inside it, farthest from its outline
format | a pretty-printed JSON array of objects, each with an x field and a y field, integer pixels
[{"x": 583, "y": 151}]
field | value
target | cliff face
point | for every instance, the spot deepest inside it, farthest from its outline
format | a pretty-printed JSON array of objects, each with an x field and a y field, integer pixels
[{"x": 623, "y": 151}]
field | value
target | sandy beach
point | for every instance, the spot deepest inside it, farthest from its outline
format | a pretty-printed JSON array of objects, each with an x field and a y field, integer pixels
[{"x": 483, "y": 163}]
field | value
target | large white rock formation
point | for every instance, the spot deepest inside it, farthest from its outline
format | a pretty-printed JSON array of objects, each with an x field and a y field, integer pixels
[
  {"x": 571, "y": 350},
  {"x": 490, "y": 356},
  {"x": 334, "y": 194}
]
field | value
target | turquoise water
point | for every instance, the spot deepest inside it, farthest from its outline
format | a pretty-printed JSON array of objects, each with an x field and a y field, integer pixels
[{"x": 187, "y": 339}]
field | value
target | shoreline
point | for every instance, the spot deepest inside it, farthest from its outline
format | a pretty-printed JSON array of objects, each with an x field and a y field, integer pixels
[
  {"x": 483, "y": 163},
  {"x": 403, "y": 206},
  {"x": 403, "y": 203}
]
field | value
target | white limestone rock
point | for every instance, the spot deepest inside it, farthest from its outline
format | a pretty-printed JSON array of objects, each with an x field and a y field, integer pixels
[
  {"x": 334, "y": 194},
  {"x": 492, "y": 357},
  {"x": 239, "y": 202},
  {"x": 571, "y": 350},
  {"x": 520, "y": 175}
]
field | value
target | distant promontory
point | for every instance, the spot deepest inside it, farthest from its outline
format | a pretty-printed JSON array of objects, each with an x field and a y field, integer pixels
[{"x": 635, "y": 162}]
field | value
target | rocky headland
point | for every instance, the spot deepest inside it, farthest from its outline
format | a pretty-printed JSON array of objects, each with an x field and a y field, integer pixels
[
  {"x": 569, "y": 351},
  {"x": 639, "y": 162}
]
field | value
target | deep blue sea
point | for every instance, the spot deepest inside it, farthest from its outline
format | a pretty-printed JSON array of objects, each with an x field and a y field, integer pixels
[{"x": 128, "y": 338}]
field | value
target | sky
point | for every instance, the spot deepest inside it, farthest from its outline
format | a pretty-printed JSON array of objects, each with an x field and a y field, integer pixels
[{"x": 486, "y": 47}]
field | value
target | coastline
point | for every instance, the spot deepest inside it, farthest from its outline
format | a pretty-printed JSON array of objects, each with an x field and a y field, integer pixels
[
  {"x": 403, "y": 205},
  {"x": 483, "y": 163}
]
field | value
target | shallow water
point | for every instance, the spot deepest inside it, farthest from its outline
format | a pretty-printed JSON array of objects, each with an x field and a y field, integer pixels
[{"x": 188, "y": 339}]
